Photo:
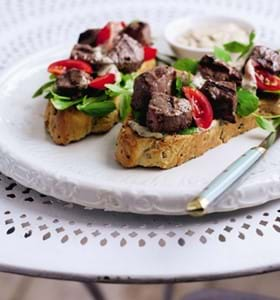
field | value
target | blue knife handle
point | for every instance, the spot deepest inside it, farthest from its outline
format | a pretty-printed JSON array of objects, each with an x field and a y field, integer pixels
[{"x": 223, "y": 181}]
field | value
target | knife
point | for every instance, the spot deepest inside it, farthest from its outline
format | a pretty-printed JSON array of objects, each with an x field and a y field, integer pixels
[{"x": 199, "y": 205}]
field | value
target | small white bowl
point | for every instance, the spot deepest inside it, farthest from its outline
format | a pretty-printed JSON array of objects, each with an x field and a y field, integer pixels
[{"x": 178, "y": 27}]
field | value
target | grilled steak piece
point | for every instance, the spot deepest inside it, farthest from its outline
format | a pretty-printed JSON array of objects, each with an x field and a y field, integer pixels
[
  {"x": 211, "y": 68},
  {"x": 72, "y": 82},
  {"x": 87, "y": 53},
  {"x": 127, "y": 54},
  {"x": 140, "y": 31},
  {"x": 158, "y": 80},
  {"x": 88, "y": 37},
  {"x": 222, "y": 96},
  {"x": 168, "y": 113},
  {"x": 266, "y": 58}
]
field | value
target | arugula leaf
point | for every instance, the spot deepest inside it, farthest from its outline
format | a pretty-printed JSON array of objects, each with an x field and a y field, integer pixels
[
  {"x": 235, "y": 47},
  {"x": 247, "y": 102},
  {"x": 222, "y": 54},
  {"x": 187, "y": 131},
  {"x": 250, "y": 45},
  {"x": 125, "y": 108},
  {"x": 268, "y": 122},
  {"x": 44, "y": 88},
  {"x": 97, "y": 109},
  {"x": 178, "y": 87},
  {"x": 59, "y": 97},
  {"x": 123, "y": 90},
  {"x": 186, "y": 64},
  {"x": 62, "y": 104},
  {"x": 265, "y": 124},
  {"x": 100, "y": 98}
]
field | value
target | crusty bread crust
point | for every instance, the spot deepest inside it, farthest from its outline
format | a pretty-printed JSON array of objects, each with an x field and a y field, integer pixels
[
  {"x": 66, "y": 126},
  {"x": 70, "y": 125},
  {"x": 173, "y": 150}
]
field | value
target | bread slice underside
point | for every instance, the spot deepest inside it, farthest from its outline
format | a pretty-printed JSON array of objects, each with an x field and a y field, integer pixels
[
  {"x": 173, "y": 150},
  {"x": 70, "y": 125}
]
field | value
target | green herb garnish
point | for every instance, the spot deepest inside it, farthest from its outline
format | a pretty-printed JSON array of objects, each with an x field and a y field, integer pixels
[
  {"x": 62, "y": 104},
  {"x": 268, "y": 122},
  {"x": 186, "y": 64},
  {"x": 46, "y": 87},
  {"x": 222, "y": 54},
  {"x": 265, "y": 124},
  {"x": 123, "y": 90},
  {"x": 97, "y": 109},
  {"x": 188, "y": 131},
  {"x": 178, "y": 87},
  {"x": 237, "y": 47},
  {"x": 247, "y": 102}
]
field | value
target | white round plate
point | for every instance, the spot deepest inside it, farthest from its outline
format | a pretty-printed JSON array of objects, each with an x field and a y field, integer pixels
[{"x": 86, "y": 172}]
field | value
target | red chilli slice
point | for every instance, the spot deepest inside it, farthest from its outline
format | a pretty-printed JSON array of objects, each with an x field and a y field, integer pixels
[
  {"x": 59, "y": 67},
  {"x": 149, "y": 53},
  {"x": 100, "y": 82}
]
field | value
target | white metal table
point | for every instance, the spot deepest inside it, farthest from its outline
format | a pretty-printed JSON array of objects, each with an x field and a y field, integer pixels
[{"x": 44, "y": 237}]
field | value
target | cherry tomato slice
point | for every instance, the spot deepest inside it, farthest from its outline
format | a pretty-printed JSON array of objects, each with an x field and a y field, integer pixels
[
  {"x": 149, "y": 53},
  {"x": 201, "y": 107},
  {"x": 100, "y": 82},
  {"x": 110, "y": 28},
  {"x": 267, "y": 81},
  {"x": 59, "y": 67}
]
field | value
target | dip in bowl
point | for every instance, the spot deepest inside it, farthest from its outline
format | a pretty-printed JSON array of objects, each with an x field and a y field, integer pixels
[{"x": 194, "y": 37}]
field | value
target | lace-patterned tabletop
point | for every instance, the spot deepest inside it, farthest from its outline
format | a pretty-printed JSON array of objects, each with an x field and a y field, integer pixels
[{"x": 42, "y": 236}]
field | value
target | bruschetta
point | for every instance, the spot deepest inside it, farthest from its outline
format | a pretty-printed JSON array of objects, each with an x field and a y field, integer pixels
[
  {"x": 88, "y": 92},
  {"x": 177, "y": 116}
]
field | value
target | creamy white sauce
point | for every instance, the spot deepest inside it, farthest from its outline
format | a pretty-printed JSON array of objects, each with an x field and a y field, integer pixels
[
  {"x": 213, "y": 35},
  {"x": 144, "y": 131},
  {"x": 249, "y": 81},
  {"x": 198, "y": 80}
]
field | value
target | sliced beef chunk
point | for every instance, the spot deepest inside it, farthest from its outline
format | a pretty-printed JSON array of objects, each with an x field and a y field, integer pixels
[
  {"x": 72, "y": 82},
  {"x": 158, "y": 80},
  {"x": 266, "y": 58},
  {"x": 88, "y": 37},
  {"x": 168, "y": 113},
  {"x": 211, "y": 68},
  {"x": 127, "y": 54},
  {"x": 89, "y": 54},
  {"x": 222, "y": 96},
  {"x": 140, "y": 31}
]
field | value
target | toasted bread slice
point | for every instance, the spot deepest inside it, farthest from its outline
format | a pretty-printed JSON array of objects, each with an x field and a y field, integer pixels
[
  {"x": 71, "y": 125},
  {"x": 173, "y": 150}
]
